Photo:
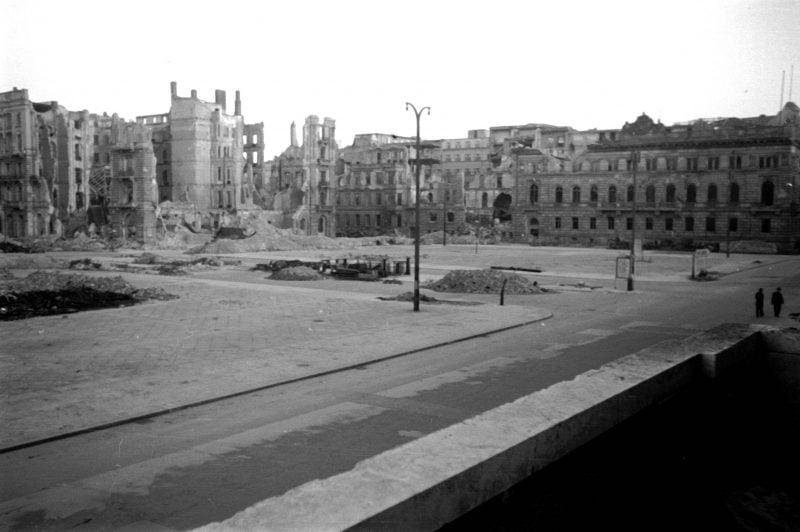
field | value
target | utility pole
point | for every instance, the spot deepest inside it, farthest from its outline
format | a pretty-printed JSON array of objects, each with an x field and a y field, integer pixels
[
  {"x": 445, "y": 187},
  {"x": 632, "y": 264},
  {"x": 416, "y": 209}
]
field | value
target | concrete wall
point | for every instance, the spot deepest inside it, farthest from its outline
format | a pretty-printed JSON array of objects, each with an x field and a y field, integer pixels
[{"x": 431, "y": 481}]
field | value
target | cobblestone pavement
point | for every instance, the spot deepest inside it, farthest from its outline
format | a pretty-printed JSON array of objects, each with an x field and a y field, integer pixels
[{"x": 67, "y": 373}]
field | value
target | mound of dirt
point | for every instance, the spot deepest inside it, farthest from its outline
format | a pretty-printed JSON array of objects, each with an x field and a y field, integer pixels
[
  {"x": 297, "y": 273},
  {"x": 484, "y": 282}
]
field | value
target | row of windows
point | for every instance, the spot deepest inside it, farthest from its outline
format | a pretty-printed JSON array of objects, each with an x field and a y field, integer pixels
[
  {"x": 355, "y": 220},
  {"x": 369, "y": 199},
  {"x": 9, "y": 120},
  {"x": 456, "y": 157},
  {"x": 9, "y": 144},
  {"x": 650, "y": 224},
  {"x": 671, "y": 193},
  {"x": 691, "y": 164}
]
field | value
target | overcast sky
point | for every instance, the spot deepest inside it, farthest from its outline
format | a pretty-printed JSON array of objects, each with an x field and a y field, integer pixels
[{"x": 579, "y": 63}]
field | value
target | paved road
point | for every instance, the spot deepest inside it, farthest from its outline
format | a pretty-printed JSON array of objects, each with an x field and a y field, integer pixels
[{"x": 196, "y": 466}]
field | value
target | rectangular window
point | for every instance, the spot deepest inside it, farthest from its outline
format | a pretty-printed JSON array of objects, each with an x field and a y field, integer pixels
[
  {"x": 629, "y": 223},
  {"x": 711, "y": 224},
  {"x": 668, "y": 224},
  {"x": 691, "y": 163},
  {"x": 367, "y": 220},
  {"x": 610, "y": 220},
  {"x": 689, "y": 223},
  {"x": 735, "y": 162},
  {"x": 648, "y": 224},
  {"x": 713, "y": 163},
  {"x": 558, "y": 222},
  {"x": 499, "y": 181},
  {"x": 733, "y": 224},
  {"x": 96, "y": 158},
  {"x": 592, "y": 223},
  {"x": 378, "y": 220},
  {"x": 399, "y": 220},
  {"x": 575, "y": 222},
  {"x": 672, "y": 163},
  {"x": 358, "y": 219},
  {"x": 766, "y": 225},
  {"x": 399, "y": 198}
]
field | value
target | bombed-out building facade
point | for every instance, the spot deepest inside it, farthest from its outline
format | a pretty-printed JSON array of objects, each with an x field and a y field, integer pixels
[{"x": 56, "y": 164}]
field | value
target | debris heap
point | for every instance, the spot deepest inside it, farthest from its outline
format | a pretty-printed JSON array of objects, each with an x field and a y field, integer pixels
[{"x": 484, "y": 282}]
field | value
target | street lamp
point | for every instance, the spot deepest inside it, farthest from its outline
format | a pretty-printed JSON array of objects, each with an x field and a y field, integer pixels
[{"x": 416, "y": 209}]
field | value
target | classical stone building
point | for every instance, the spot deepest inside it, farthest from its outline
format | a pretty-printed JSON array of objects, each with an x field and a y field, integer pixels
[
  {"x": 200, "y": 152},
  {"x": 707, "y": 182},
  {"x": 57, "y": 170},
  {"x": 301, "y": 183}
]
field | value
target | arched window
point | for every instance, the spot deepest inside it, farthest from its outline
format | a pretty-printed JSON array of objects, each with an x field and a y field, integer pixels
[
  {"x": 712, "y": 193},
  {"x": 650, "y": 194},
  {"x": 484, "y": 200},
  {"x": 734, "y": 193},
  {"x": 767, "y": 193},
  {"x": 559, "y": 195},
  {"x": 691, "y": 194},
  {"x": 534, "y": 193},
  {"x": 630, "y": 193},
  {"x": 576, "y": 194},
  {"x": 593, "y": 193},
  {"x": 612, "y": 194},
  {"x": 670, "y": 193}
]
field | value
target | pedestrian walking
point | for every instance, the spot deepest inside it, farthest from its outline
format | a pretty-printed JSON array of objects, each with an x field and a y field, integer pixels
[
  {"x": 760, "y": 303},
  {"x": 777, "y": 302}
]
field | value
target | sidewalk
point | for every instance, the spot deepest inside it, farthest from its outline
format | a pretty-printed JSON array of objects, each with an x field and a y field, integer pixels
[{"x": 70, "y": 373}]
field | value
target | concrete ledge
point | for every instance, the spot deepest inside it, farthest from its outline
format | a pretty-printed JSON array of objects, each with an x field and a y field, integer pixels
[{"x": 431, "y": 481}]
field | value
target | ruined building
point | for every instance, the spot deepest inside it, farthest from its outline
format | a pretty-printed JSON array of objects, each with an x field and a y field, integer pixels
[
  {"x": 376, "y": 187},
  {"x": 200, "y": 149},
  {"x": 63, "y": 171},
  {"x": 301, "y": 184},
  {"x": 707, "y": 182}
]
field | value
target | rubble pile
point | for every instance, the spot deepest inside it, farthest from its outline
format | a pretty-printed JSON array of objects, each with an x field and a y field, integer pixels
[
  {"x": 297, "y": 273},
  {"x": 484, "y": 282},
  {"x": 46, "y": 293}
]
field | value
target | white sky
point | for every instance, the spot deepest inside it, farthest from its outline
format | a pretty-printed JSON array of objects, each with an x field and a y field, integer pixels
[{"x": 579, "y": 63}]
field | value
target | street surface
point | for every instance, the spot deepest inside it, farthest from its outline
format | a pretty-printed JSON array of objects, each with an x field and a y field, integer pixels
[{"x": 203, "y": 464}]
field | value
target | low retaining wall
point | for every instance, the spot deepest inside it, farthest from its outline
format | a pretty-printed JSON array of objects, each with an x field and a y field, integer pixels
[{"x": 429, "y": 482}]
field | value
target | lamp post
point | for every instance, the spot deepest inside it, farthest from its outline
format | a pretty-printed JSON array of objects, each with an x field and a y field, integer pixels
[{"x": 416, "y": 207}]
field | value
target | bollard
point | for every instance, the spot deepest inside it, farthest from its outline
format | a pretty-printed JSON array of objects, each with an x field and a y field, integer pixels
[{"x": 503, "y": 292}]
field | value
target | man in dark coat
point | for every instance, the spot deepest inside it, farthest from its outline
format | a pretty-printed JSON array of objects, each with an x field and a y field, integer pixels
[
  {"x": 777, "y": 302},
  {"x": 760, "y": 303}
]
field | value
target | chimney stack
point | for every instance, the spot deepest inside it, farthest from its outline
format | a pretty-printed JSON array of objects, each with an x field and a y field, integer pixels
[
  {"x": 219, "y": 98},
  {"x": 194, "y": 93},
  {"x": 173, "y": 88},
  {"x": 238, "y": 105}
]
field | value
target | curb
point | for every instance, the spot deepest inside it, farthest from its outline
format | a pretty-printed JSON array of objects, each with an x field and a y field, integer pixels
[{"x": 157, "y": 413}]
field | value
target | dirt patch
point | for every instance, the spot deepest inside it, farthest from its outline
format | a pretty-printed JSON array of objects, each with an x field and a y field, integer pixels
[{"x": 46, "y": 293}]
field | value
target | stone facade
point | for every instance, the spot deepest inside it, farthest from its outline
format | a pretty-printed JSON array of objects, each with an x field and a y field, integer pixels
[
  {"x": 376, "y": 187},
  {"x": 700, "y": 183}
]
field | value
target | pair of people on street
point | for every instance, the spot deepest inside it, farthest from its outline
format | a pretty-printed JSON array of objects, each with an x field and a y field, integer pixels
[{"x": 776, "y": 299}]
